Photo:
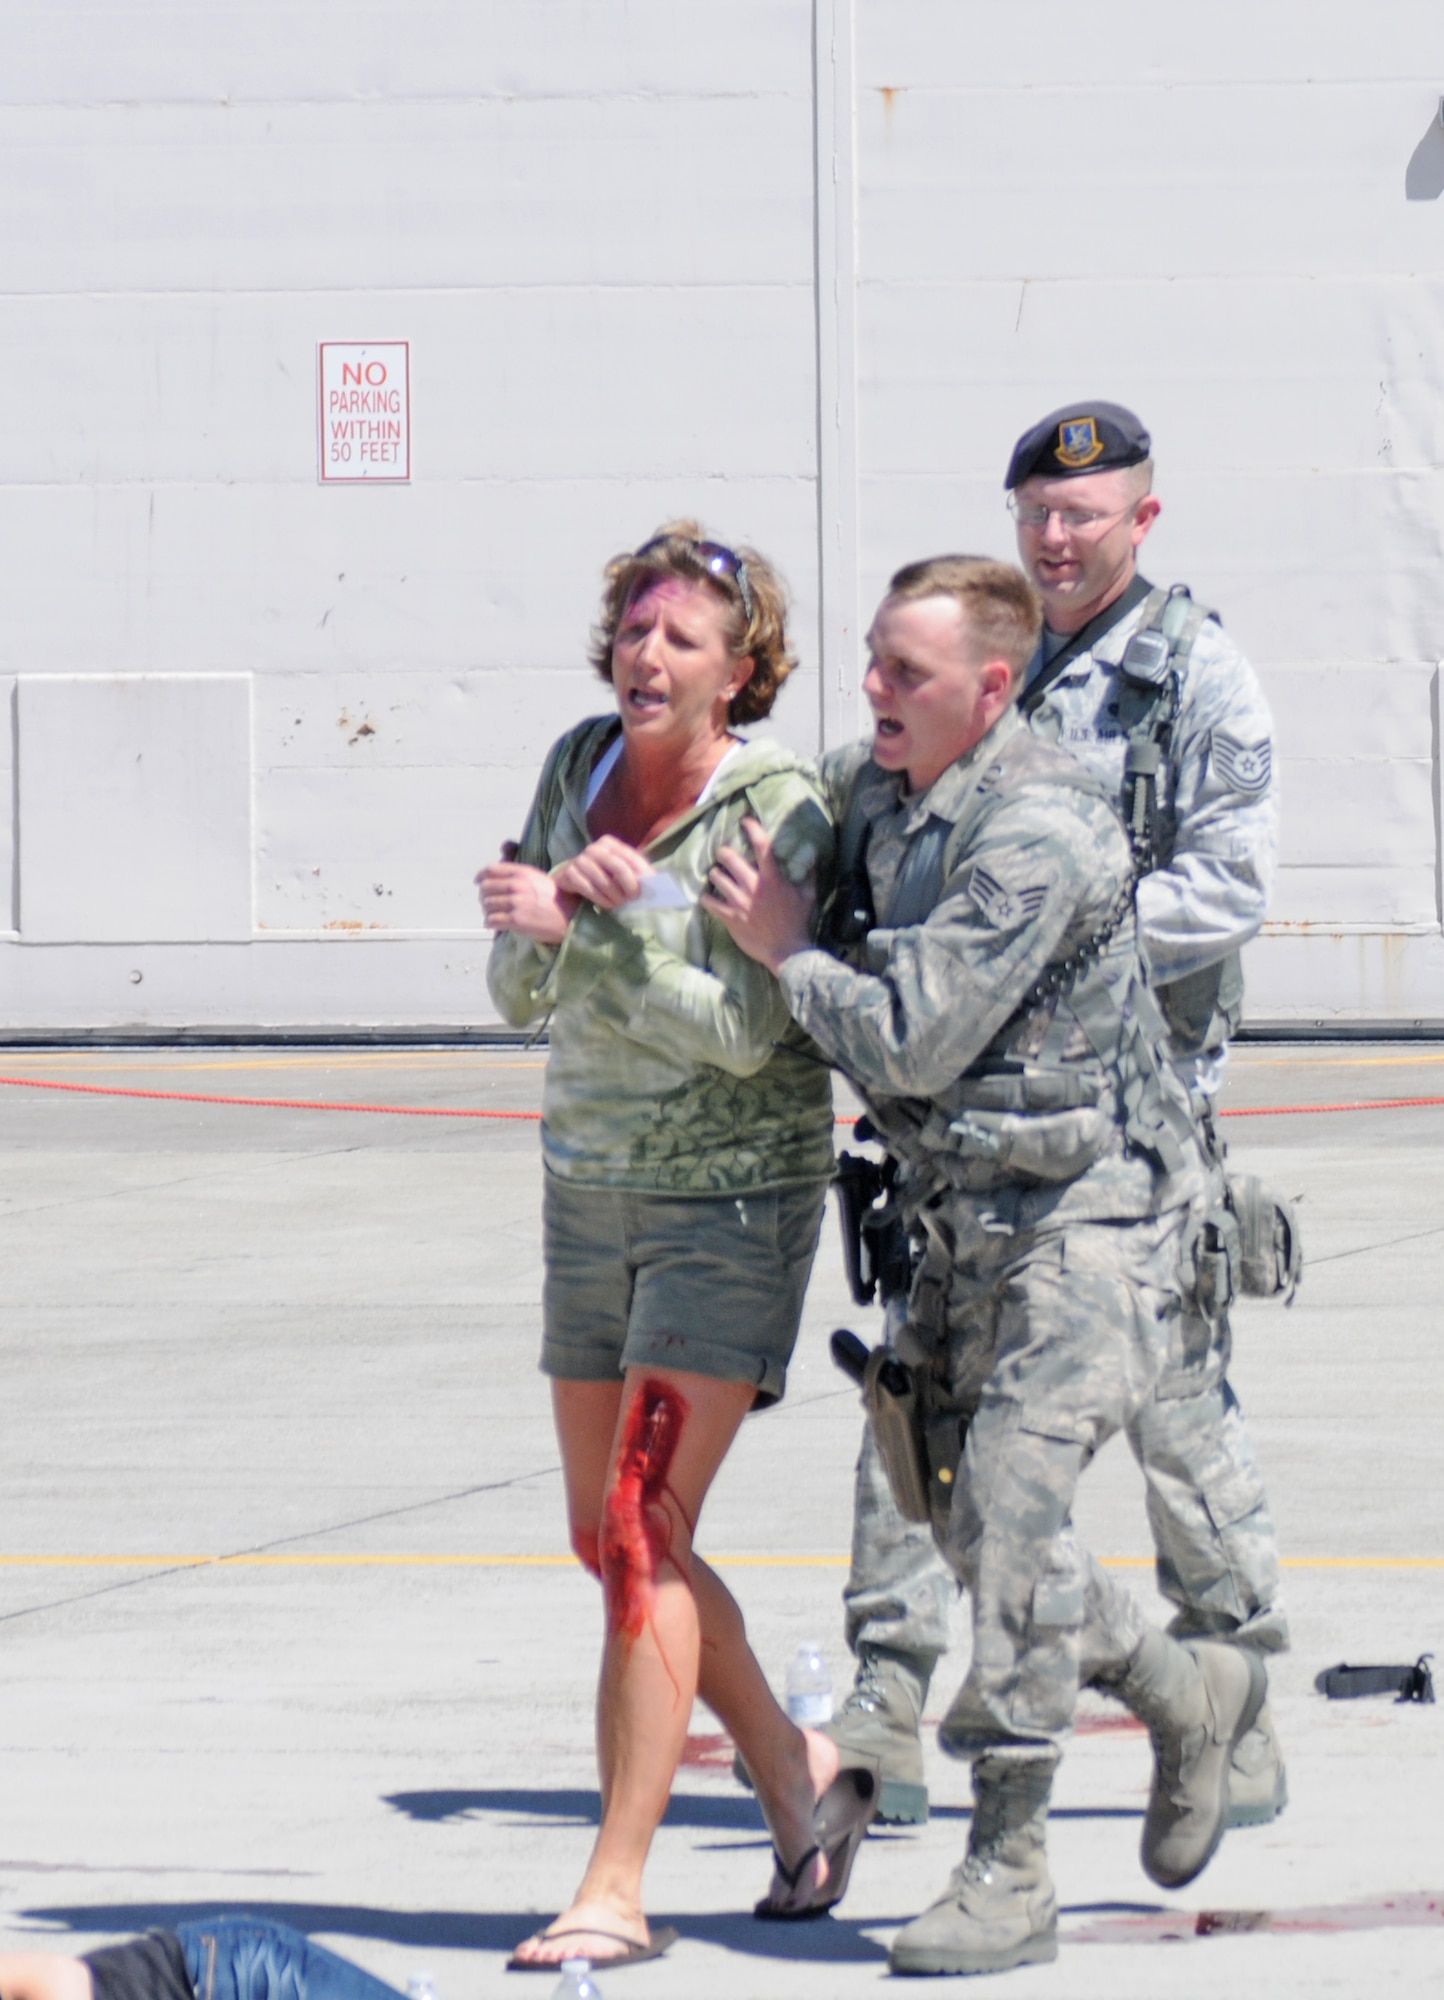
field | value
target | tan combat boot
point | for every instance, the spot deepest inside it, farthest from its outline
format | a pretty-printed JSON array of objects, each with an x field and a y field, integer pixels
[
  {"x": 881, "y": 1722},
  {"x": 999, "y": 1909},
  {"x": 879, "y": 1725},
  {"x": 1199, "y": 1701},
  {"x": 1258, "y": 1785}
]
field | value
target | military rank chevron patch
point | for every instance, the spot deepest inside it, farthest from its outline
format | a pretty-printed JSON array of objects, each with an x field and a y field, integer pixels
[
  {"x": 1242, "y": 767},
  {"x": 1004, "y": 908}
]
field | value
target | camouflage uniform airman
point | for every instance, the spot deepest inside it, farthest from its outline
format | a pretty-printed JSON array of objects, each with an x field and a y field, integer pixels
[
  {"x": 1216, "y": 836},
  {"x": 1158, "y": 703},
  {"x": 1009, "y": 863},
  {"x": 996, "y": 1025},
  {"x": 1218, "y": 830}
]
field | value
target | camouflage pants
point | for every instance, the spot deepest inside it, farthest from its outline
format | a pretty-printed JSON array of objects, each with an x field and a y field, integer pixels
[
  {"x": 1212, "y": 1531},
  {"x": 1053, "y": 1342}
]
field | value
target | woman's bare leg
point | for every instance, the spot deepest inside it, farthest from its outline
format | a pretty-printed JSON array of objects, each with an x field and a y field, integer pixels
[
  {"x": 585, "y": 1415},
  {"x": 790, "y": 1767},
  {"x": 672, "y": 1433}
]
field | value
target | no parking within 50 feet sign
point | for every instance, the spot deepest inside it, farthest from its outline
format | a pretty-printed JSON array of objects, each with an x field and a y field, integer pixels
[{"x": 365, "y": 399}]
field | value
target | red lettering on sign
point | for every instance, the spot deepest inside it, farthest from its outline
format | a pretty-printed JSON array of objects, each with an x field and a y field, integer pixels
[{"x": 365, "y": 416}]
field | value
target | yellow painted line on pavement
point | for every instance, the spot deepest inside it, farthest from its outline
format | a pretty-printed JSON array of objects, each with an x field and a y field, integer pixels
[
  {"x": 1246, "y": 1059},
  {"x": 371, "y": 1561},
  {"x": 1305, "y": 1562},
  {"x": 414, "y": 1560},
  {"x": 1362, "y": 1562},
  {"x": 287, "y": 1561}
]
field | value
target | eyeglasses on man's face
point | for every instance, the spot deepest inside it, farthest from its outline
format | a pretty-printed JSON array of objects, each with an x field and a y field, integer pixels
[{"x": 1072, "y": 520}]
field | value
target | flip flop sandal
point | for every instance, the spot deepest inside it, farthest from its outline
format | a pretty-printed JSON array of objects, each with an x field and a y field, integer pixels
[
  {"x": 632, "y": 1953},
  {"x": 840, "y": 1824}
]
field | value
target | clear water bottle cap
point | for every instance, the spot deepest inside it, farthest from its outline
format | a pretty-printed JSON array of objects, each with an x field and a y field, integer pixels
[{"x": 576, "y": 1983}]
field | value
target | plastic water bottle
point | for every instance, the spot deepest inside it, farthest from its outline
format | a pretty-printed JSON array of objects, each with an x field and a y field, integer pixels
[
  {"x": 576, "y": 1981},
  {"x": 419, "y": 1987},
  {"x": 809, "y": 1686}
]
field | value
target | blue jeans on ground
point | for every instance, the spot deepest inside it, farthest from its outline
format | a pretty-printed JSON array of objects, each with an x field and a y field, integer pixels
[{"x": 247, "y": 1958}]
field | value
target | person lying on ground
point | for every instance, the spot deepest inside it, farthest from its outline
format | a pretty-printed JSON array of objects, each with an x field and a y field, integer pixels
[{"x": 212, "y": 1958}]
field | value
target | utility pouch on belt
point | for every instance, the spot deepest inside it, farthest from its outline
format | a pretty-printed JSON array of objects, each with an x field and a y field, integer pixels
[
  {"x": 889, "y": 1391},
  {"x": 1210, "y": 1259},
  {"x": 1271, "y": 1258},
  {"x": 1052, "y": 1146}
]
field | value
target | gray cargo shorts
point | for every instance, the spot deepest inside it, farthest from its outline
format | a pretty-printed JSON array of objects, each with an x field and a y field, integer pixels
[{"x": 709, "y": 1284}]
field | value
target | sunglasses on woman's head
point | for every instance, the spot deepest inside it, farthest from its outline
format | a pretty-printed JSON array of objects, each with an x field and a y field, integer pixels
[{"x": 715, "y": 557}]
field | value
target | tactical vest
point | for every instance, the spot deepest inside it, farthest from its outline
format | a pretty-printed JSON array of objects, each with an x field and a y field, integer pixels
[
  {"x": 1033, "y": 1102},
  {"x": 1202, "y": 1010}
]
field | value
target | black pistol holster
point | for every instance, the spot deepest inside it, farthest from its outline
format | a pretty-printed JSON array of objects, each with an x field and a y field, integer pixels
[{"x": 874, "y": 1236}]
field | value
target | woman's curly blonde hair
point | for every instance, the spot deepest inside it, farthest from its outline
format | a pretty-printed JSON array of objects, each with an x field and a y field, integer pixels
[{"x": 760, "y": 629}]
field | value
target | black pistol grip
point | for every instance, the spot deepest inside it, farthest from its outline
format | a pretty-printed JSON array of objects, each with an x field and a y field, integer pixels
[{"x": 849, "y": 1353}]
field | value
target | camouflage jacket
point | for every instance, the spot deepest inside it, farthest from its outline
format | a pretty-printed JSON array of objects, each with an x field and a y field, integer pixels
[
  {"x": 674, "y": 1064},
  {"x": 1218, "y": 801},
  {"x": 990, "y": 1064}
]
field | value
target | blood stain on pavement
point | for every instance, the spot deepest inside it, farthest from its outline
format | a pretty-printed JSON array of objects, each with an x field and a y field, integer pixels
[{"x": 1411, "y": 1910}]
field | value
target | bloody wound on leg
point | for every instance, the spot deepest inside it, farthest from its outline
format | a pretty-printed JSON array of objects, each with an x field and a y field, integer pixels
[{"x": 637, "y": 1530}]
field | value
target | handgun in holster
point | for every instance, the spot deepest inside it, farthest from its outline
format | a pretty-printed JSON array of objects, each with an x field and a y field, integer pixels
[
  {"x": 874, "y": 1236},
  {"x": 919, "y": 1450}
]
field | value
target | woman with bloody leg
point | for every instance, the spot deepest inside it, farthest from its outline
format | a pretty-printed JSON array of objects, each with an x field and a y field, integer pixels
[{"x": 687, "y": 1139}]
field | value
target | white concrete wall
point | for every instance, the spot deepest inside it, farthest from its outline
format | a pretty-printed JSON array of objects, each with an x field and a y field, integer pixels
[
  {"x": 638, "y": 250},
  {"x": 1230, "y": 220},
  {"x": 595, "y": 228}
]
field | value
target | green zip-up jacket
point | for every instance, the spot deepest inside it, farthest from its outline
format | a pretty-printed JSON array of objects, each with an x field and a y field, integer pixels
[{"x": 674, "y": 1063}]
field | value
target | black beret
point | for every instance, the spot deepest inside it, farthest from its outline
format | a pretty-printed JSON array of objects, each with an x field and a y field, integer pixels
[{"x": 1081, "y": 437}]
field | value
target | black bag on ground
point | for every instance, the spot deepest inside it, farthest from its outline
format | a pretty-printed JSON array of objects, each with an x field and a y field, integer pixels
[{"x": 1345, "y": 1683}]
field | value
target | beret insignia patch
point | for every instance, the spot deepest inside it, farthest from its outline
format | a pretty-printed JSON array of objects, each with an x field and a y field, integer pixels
[
  {"x": 1004, "y": 908},
  {"x": 1243, "y": 767},
  {"x": 1078, "y": 442}
]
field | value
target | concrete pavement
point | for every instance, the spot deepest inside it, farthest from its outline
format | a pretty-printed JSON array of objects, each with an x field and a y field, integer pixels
[{"x": 287, "y": 1623}]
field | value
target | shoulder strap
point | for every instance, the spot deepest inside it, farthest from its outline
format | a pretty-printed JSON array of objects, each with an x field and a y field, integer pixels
[
  {"x": 1151, "y": 670},
  {"x": 849, "y": 913},
  {"x": 1084, "y": 641}
]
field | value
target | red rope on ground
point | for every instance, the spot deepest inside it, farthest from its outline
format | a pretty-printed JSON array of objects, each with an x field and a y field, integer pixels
[
  {"x": 269, "y": 1103},
  {"x": 448, "y": 1111},
  {"x": 1296, "y": 1110}
]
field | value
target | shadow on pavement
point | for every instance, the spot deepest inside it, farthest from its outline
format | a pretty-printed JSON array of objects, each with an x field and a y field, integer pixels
[
  {"x": 831, "y": 1940},
  {"x": 739, "y": 1814},
  {"x": 735, "y": 1814}
]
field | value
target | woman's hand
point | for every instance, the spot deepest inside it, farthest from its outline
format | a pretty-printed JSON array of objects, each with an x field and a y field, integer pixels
[
  {"x": 767, "y": 917},
  {"x": 525, "y": 900},
  {"x": 608, "y": 873}
]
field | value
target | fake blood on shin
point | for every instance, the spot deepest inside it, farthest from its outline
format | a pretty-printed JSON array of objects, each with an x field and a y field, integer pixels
[{"x": 637, "y": 1531}]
